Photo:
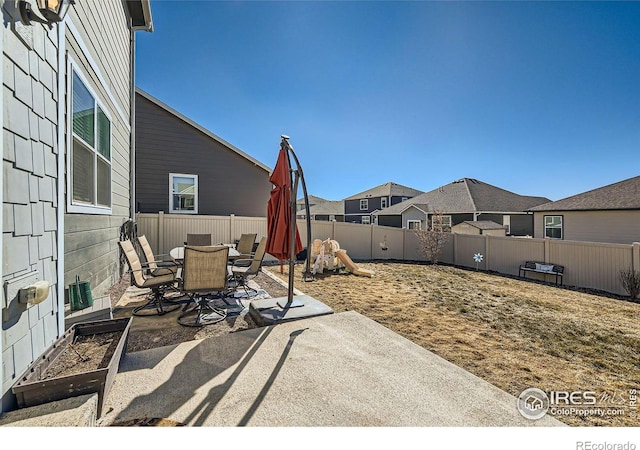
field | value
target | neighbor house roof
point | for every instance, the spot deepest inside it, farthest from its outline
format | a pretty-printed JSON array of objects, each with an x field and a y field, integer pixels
[
  {"x": 202, "y": 129},
  {"x": 484, "y": 224},
  {"x": 388, "y": 189},
  {"x": 621, "y": 195},
  {"x": 313, "y": 200},
  {"x": 329, "y": 207},
  {"x": 464, "y": 196}
]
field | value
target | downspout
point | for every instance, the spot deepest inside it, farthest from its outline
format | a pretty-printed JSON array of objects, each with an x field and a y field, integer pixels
[
  {"x": 1, "y": 217},
  {"x": 132, "y": 122},
  {"x": 62, "y": 164}
]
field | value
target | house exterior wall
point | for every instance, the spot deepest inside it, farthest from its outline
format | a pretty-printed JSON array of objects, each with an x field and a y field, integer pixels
[
  {"x": 30, "y": 201},
  {"x": 93, "y": 39},
  {"x": 91, "y": 240},
  {"x": 413, "y": 214},
  {"x": 521, "y": 225},
  {"x": 395, "y": 199},
  {"x": 390, "y": 221},
  {"x": 228, "y": 183},
  {"x": 617, "y": 227},
  {"x": 352, "y": 207},
  {"x": 497, "y": 218},
  {"x": 325, "y": 217},
  {"x": 459, "y": 218}
]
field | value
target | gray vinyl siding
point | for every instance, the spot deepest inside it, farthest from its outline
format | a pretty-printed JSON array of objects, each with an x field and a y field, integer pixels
[
  {"x": 29, "y": 200},
  {"x": 396, "y": 199},
  {"x": 616, "y": 227},
  {"x": 413, "y": 214},
  {"x": 228, "y": 183},
  {"x": 91, "y": 240}
]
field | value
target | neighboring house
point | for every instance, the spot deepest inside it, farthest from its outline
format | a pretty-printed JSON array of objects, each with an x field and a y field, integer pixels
[
  {"x": 359, "y": 207},
  {"x": 607, "y": 214},
  {"x": 313, "y": 200},
  {"x": 328, "y": 211},
  {"x": 466, "y": 199},
  {"x": 487, "y": 227},
  {"x": 183, "y": 168},
  {"x": 67, "y": 100}
]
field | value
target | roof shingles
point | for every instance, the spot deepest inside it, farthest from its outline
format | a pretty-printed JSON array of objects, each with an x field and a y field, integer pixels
[
  {"x": 467, "y": 195},
  {"x": 624, "y": 194}
]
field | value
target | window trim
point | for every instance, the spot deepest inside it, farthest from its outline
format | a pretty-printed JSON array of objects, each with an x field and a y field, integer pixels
[
  {"x": 365, "y": 202},
  {"x": 384, "y": 200},
  {"x": 410, "y": 221},
  {"x": 74, "y": 206},
  {"x": 362, "y": 218},
  {"x": 195, "y": 195},
  {"x": 544, "y": 226}
]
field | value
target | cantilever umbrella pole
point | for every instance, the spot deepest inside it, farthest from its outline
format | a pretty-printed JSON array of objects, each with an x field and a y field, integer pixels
[{"x": 292, "y": 241}]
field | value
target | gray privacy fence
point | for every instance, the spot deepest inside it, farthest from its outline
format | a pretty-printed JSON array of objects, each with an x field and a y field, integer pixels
[{"x": 587, "y": 264}]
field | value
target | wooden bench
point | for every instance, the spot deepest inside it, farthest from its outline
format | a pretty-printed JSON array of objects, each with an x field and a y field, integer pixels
[{"x": 544, "y": 268}]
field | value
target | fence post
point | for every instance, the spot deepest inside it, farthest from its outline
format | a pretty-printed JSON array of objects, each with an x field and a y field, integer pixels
[
  {"x": 486, "y": 252},
  {"x": 404, "y": 244},
  {"x": 635, "y": 259},
  {"x": 547, "y": 251},
  {"x": 455, "y": 247},
  {"x": 371, "y": 246},
  {"x": 232, "y": 226},
  {"x": 333, "y": 230},
  {"x": 161, "y": 232}
]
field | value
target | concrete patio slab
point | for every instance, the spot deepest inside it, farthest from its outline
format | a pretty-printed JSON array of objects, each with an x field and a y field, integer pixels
[{"x": 341, "y": 370}]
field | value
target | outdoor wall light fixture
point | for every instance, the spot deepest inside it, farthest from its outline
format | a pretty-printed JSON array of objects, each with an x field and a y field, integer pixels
[{"x": 47, "y": 12}]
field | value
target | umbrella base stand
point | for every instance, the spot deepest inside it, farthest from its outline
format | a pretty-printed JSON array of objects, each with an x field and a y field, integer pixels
[
  {"x": 283, "y": 302},
  {"x": 269, "y": 312}
]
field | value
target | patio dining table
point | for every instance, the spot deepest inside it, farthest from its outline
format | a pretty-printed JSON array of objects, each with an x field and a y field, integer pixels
[{"x": 177, "y": 253}]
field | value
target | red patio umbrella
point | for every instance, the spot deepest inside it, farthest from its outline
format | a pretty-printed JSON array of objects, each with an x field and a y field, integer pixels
[{"x": 279, "y": 212}]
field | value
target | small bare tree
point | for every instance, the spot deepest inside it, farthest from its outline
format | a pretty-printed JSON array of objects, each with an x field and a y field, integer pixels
[
  {"x": 630, "y": 280},
  {"x": 433, "y": 239}
]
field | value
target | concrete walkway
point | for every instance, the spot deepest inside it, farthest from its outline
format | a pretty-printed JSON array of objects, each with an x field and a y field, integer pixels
[{"x": 337, "y": 370}]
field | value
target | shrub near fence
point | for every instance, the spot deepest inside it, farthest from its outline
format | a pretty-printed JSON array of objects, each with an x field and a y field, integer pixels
[{"x": 587, "y": 264}]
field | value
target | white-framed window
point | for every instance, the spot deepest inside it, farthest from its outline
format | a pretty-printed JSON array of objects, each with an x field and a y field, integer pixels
[
  {"x": 383, "y": 202},
  {"x": 404, "y": 199},
  {"x": 364, "y": 204},
  {"x": 414, "y": 224},
  {"x": 89, "y": 159},
  {"x": 183, "y": 193},
  {"x": 365, "y": 220},
  {"x": 332, "y": 218},
  {"x": 553, "y": 227}
]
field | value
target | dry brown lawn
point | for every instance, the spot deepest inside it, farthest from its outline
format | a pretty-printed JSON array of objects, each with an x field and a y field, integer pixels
[{"x": 514, "y": 334}]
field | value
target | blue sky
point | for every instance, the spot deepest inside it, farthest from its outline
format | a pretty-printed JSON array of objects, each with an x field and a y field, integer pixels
[{"x": 539, "y": 98}]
